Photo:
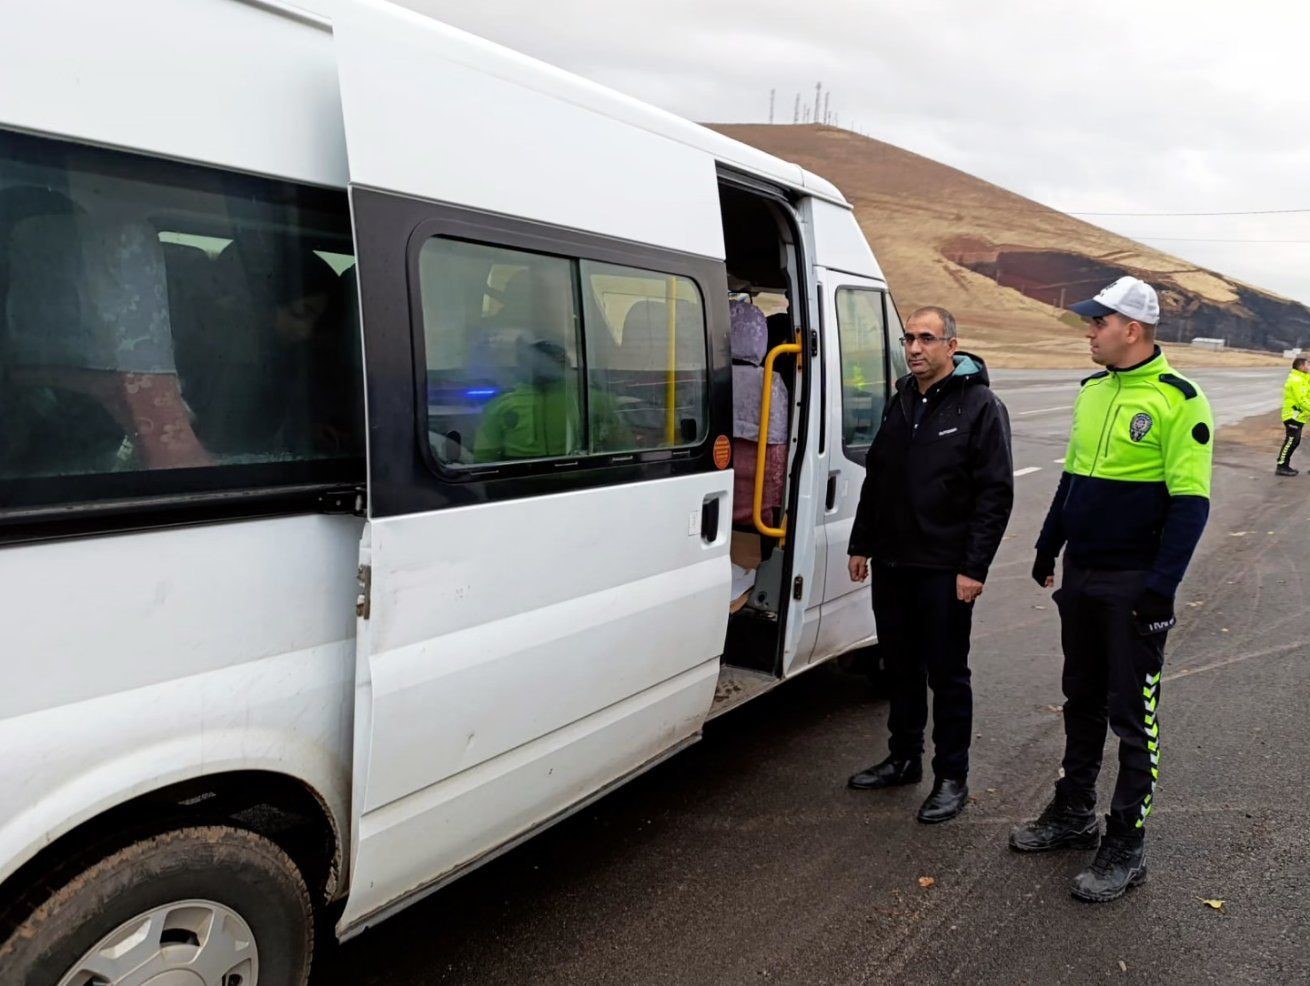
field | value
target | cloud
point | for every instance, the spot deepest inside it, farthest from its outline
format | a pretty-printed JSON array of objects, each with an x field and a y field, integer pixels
[{"x": 1170, "y": 106}]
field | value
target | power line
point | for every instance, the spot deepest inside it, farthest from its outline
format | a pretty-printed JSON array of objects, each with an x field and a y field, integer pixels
[
  {"x": 1186, "y": 239},
  {"x": 1258, "y": 212}
]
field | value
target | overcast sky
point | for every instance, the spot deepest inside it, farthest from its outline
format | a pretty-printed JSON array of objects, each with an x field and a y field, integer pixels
[{"x": 1117, "y": 106}]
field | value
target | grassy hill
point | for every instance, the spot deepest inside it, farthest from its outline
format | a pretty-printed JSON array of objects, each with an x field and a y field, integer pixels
[{"x": 1005, "y": 265}]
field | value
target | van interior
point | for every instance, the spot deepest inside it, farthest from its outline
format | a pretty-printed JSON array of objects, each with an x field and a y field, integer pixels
[{"x": 762, "y": 263}]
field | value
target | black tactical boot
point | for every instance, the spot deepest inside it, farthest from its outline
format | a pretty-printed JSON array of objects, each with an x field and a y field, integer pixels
[
  {"x": 947, "y": 800},
  {"x": 1286, "y": 471},
  {"x": 1119, "y": 864},
  {"x": 1061, "y": 825},
  {"x": 892, "y": 772}
]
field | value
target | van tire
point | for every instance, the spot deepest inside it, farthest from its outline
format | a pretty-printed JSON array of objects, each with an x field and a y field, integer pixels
[{"x": 236, "y": 869}]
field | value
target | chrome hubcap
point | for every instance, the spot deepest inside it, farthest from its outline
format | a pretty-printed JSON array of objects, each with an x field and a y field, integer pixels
[{"x": 186, "y": 943}]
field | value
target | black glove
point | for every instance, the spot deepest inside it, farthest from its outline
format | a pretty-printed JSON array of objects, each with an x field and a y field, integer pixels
[
  {"x": 1043, "y": 568},
  {"x": 1153, "y": 613}
]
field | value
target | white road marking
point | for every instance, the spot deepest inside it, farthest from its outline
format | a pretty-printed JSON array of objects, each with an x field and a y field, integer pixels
[
  {"x": 1044, "y": 410},
  {"x": 1027, "y": 471},
  {"x": 1058, "y": 462}
]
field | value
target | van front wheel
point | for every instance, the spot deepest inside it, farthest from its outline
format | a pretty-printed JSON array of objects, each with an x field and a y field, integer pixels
[{"x": 212, "y": 904}]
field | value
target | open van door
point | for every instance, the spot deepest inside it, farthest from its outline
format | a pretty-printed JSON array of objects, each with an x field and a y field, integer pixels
[
  {"x": 862, "y": 355},
  {"x": 537, "y": 621}
]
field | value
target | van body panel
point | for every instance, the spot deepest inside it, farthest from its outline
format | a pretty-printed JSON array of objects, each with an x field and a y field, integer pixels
[
  {"x": 162, "y": 656},
  {"x": 122, "y": 612},
  {"x": 418, "y": 841},
  {"x": 211, "y": 81},
  {"x": 502, "y": 643},
  {"x": 469, "y": 668},
  {"x": 839, "y": 244},
  {"x": 527, "y": 146}
]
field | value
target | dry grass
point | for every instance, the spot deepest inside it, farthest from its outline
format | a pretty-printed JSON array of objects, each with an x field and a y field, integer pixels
[{"x": 911, "y": 208}]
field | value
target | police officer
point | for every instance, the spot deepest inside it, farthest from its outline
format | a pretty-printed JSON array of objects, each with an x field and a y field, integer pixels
[
  {"x": 1130, "y": 507},
  {"x": 1296, "y": 411}
]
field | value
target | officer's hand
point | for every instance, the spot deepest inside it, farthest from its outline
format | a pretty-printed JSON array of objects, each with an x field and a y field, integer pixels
[
  {"x": 967, "y": 589},
  {"x": 858, "y": 566},
  {"x": 1153, "y": 613},
  {"x": 1044, "y": 570}
]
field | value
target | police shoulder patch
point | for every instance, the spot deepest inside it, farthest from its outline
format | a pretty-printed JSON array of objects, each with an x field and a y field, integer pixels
[
  {"x": 1095, "y": 376},
  {"x": 1185, "y": 386}
]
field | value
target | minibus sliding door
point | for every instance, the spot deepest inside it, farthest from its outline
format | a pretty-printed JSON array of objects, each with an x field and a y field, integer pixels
[{"x": 544, "y": 571}]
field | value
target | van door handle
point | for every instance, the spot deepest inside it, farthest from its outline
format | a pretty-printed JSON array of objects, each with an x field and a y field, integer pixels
[
  {"x": 709, "y": 519},
  {"x": 832, "y": 489}
]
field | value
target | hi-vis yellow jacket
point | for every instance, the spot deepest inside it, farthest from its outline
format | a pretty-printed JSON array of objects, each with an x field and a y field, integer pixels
[
  {"x": 1296, "y": 397},
  {"x": 1135, "y": 493}
]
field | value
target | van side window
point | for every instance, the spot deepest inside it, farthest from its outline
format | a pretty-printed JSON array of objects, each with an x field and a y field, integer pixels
[
  {"x": 169, "y": 329},
  {"x": 510, "y": 379},
  {"x": 646, "y": 358},
  {"x": 501, "y": 335},
  {"x": 862, "y": 335}
]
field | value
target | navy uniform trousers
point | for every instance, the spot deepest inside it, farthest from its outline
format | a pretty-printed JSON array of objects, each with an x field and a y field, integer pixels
[{"x": 1111, "y": 674}]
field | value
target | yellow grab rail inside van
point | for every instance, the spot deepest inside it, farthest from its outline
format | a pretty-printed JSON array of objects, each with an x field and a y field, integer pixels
[
  {"x": 766, "y": 399},
  {"x": 671, "y": 379}
]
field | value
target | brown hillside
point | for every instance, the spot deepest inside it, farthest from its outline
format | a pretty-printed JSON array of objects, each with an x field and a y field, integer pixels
[{"x": 1004, "y": 264}]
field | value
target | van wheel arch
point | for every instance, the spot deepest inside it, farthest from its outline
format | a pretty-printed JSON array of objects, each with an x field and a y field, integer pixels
[{"x": 282, "y": 808}]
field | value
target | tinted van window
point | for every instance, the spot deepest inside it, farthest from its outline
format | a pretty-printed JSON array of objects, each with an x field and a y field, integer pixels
[
  {"x": 537, "y": 357},
  {"x": 862, "y": 335},
  {"x": 646, "y": 358},
  {"x": 168, "y": 328}
]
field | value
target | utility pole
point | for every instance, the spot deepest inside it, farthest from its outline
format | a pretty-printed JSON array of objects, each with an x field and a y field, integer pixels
[
  {"x": 796, "y": 113},
  {"x": 772, "y": 94}
]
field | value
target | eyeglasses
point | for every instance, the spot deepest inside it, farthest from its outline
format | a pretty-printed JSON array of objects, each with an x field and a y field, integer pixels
[{"x": 923, "y": 338}]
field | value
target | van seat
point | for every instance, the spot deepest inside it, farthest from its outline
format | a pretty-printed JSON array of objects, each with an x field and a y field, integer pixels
[{"x": 749, "y": 348}]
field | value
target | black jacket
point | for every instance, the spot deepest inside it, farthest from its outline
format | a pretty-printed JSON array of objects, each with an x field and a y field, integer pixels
[{"x": 939, "y": 495}]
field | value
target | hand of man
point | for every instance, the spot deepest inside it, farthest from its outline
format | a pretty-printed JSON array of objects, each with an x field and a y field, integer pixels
[
  {"x": 967, "y": 589},
  {"x": 1153, "y": 613},
  {"x": 858, "y": 566},
  {"x": 1044, "y": 570}
]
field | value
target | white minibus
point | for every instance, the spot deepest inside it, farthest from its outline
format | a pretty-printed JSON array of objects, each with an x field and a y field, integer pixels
[{"x": 402, "y": 443}]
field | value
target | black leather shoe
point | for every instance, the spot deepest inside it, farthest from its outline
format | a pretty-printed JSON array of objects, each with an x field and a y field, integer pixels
[
  {"x": 1120, "y": 863},
  {"x": 947, "y": 800},
  {"x": 1286, "y": 471},
  {"x": 1059, "y": 826},
  {"x": 890, "y": 773}
]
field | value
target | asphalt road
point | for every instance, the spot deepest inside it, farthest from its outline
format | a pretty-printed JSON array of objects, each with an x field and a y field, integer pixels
[{"x": 746, "y": 859}]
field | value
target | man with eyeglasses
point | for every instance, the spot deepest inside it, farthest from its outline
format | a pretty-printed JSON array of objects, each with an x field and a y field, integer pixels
[
  {"x": 938, "y": 489},
  {"x": 1129, "y": 510}
]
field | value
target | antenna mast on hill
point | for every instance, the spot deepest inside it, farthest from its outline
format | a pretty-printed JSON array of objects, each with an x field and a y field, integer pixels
[
  {"x": 818, "y": 88},
  {"x": 772, "y": 93},
  {"x": 796, "y": 113},
  {"x": 827, "y": 96}
]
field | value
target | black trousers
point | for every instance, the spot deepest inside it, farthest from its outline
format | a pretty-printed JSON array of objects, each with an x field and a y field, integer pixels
[
  {"x": 1111, "y": 673},
  {"x": 1291, "y": 439},
  {"x": 924, "y": 634}
]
